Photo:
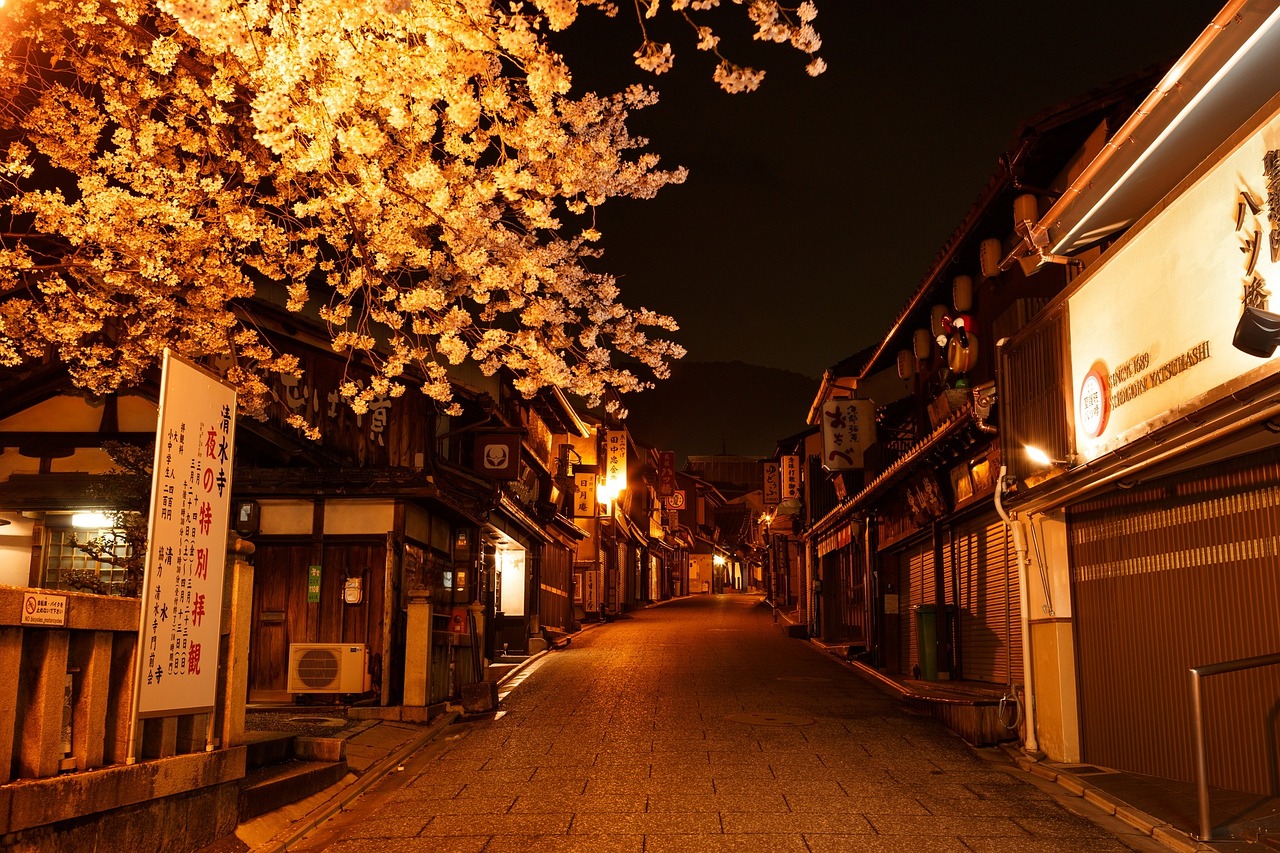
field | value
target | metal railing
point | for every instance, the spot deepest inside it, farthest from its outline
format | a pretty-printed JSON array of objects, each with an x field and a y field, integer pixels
[{"x": 1197, "y": 708}]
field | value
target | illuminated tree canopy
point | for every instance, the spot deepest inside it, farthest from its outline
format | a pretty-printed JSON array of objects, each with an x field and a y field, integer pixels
[{"x": 415, "y": 173}]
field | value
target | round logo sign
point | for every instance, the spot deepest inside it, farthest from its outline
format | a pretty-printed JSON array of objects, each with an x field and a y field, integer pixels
[{"x": 1095, "y": 401}]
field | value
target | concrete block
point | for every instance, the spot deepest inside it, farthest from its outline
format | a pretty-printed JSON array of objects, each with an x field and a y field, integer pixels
[
  {"x": 480, "y": 698},
  {"x": 1139, "y": 820},
  {"x": 1177, "y": 840},
  {"x": 319, "y": 748},
  {"x": 1071, "y": 784},
  {"x": 1100, "y": 799}
]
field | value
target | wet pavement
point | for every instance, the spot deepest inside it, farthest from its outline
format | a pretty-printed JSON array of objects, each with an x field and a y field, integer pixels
[{"x": 698, "y": 726}]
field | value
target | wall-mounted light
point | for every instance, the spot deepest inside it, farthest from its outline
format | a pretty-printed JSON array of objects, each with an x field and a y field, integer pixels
[
  {"x": 92, "y": 521},
  {"x": 1044, "y": 460},
  {"x": 248, "y": 518},
  {"x": 1257, "y": 333}
]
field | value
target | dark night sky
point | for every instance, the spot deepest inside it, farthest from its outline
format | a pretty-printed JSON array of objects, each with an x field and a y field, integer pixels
[{"x": 815, "y": 206}]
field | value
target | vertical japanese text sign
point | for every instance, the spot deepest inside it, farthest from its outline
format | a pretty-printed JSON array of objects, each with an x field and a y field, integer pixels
[
  {"x": 848, "y": 427},
  {"x": 772, "y": 485},
  {"x": 584, "y": 495},
  {"x": 666, "y": 472},
  {"x": 615, "y": 446},
  {"x": 790, "y": 477},
  {"x": 186, "y": 543}
]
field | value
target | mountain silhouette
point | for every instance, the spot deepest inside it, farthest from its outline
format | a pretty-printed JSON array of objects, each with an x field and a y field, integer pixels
[{"x": 713, "y": 407}]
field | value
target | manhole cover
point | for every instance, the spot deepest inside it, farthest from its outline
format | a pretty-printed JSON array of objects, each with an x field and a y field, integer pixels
[
  {"x": 804, "y": 679},
  {"x": 319, "y": 721},
  {"x": 770, "y": 719}
]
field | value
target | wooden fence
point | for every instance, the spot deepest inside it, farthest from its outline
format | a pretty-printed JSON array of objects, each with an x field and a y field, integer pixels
[{"x": 66, "y": 690}]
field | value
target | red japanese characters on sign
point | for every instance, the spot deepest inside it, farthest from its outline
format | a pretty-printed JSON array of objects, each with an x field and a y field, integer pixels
[
  {"x": 848, "y": 427},
  {"x": 187, "y": 544}
]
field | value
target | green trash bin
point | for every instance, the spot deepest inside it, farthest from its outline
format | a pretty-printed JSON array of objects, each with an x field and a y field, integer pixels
[{"x": 927, "y": 640}]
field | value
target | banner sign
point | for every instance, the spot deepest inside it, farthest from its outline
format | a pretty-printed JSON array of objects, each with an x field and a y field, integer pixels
[
  {"x": 848, "y": 428},
  {"x": 584, "y": 495},
  {"x": 790, "y": 477},
  {"x": 772, "y": 484},
  {"x": 666, "y": 472},
  {"x": 190, "y": 516},
  {"x": 615, "y": 458}
]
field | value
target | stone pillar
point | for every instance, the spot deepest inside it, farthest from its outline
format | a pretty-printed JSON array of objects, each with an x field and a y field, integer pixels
[
  {"x": 237, "y": 621},
  {"x": 417, "y": 652}
]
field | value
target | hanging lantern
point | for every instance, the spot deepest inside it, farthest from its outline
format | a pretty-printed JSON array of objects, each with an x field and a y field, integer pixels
[
  {"x": 989, "y": 257},
  {"x": 962, "y": 293},
  {"x": 906, "y": 364},
  {"x": 937, "y": 320},
  {"x": 1026, "y": 209},
  {"x": 922, "y": 344}
]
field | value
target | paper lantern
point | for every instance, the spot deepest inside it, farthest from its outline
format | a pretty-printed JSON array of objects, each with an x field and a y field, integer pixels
[
  {"x": 962, "y": 293},
  {"x": 906, "y": 364},
  {"x": 989, "y": 257},
  {"x": 922, "y": 344}
]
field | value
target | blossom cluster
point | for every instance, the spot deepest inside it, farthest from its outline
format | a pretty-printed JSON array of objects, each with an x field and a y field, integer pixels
[
  {"x": 413, "y": 173},
  {"x": 773, "y": 22}
]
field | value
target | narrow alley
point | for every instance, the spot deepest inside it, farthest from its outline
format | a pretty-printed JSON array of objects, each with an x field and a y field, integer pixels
[{"x": 698, "y": 726}]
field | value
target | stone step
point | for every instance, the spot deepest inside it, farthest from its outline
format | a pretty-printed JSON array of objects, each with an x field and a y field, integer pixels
[
  {"x": 269, "y": 788},
  {"x": 267, "y": 748}
]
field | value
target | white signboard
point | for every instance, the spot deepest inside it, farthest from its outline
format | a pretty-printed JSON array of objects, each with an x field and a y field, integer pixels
[
  {"x": 1152, "y": 326},
  {"x": 187, "y": 543}
]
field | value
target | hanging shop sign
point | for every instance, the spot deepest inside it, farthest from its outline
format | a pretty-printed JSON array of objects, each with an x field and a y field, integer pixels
[
  {"x": 666, "y": 472},
  {"x": 790, "y": 473},
  {"x": 497, "y": 454},
  {"x": 584, "y": 495},
  {"x": 615, "y": 459},
  {"x": 772, "y": 484},
  {"x": 848, "y": 428}
]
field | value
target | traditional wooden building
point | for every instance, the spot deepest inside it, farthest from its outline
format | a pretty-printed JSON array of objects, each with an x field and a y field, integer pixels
[
  {"x": 391, "y": 505},
  {"x": 1153, "y": 387}
]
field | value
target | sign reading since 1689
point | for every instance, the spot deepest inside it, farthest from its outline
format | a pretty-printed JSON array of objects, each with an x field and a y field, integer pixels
[{"x": 187, "y": 545}]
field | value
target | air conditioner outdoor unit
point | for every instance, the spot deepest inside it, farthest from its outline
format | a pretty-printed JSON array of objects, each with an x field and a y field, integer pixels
[{"x": 329, "y": 668}]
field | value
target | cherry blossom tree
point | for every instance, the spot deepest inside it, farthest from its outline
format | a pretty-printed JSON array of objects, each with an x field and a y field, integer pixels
[{"x": 417, "y": 175}]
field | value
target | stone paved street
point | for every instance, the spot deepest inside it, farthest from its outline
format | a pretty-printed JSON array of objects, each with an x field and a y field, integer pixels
[{"x": 698, "y": 726}]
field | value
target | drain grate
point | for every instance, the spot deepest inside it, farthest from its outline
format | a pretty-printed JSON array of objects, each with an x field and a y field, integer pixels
[{"x": 771, "y": 719}]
